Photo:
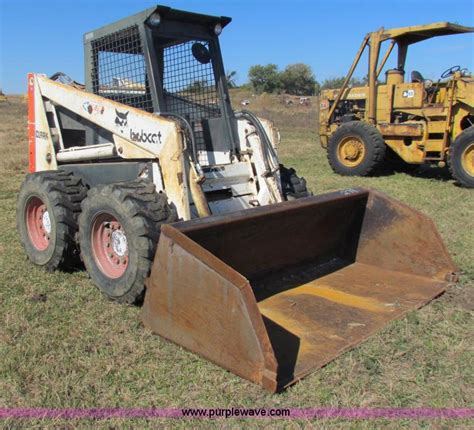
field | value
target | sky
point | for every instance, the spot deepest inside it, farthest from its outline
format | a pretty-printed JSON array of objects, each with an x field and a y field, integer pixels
[{"x": 45, "y": 36}]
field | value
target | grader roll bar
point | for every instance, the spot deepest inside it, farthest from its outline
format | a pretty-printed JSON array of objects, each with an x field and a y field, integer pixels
[{"x": 274, "y": 292}]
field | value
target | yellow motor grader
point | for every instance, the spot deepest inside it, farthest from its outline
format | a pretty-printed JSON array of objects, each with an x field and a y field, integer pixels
[
  {"x": 150, "y": 174},
  {"x": 411, "y": 121}
]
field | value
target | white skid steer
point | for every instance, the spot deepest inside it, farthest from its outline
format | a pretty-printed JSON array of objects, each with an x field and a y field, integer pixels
[{"x": 151, "y": 139}]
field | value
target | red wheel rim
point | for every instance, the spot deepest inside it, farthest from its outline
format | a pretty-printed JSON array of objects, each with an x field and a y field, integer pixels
[
  {"x": 109, "y": 245},
  {"x": 38, "y": 223}
]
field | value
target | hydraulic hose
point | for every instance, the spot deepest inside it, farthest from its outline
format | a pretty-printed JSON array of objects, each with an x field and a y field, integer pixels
[
  {"x": 268, "y": 150},
  {"x": 190, "y": 132}
]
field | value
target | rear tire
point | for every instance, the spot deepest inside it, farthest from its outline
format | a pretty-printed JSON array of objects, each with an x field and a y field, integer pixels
[
  {"x": 356, "y": 149},
  {"x": 119, "y": 228},
  {"x": 48, "y": 207},
  {"x": 293, "y": 186},
  {"x": 461, "y": 158}
]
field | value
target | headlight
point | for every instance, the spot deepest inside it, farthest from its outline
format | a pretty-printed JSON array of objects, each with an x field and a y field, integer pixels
[
  {"x": 218, "y": 29},
  {"x": 155, "y": 19}
]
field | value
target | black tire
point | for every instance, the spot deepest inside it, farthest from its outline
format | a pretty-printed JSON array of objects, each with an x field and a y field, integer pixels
[
  {"x": 61, "y": 194},
  {"x": 293, "y": 186},
  {"x": 365, "y": 134},
  {"x": 457, "y": 152},
  {"x": 140, "y": 211}
]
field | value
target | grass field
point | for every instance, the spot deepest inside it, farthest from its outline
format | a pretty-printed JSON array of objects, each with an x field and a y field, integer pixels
[{"x": 64, "y": 345}]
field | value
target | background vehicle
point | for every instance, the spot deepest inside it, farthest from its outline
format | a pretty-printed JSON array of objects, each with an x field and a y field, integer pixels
[
  {"x": 247, "y": 278},
  {"x": 413, "y": 122}
]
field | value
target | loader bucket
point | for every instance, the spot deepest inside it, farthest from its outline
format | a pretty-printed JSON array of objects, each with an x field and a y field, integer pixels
[{"x": 274, "y": 292}]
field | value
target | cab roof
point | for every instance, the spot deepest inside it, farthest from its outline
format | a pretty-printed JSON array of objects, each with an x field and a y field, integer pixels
[
  {"x": 418, "y": 33},
  {"x": 166, "y": 13}
]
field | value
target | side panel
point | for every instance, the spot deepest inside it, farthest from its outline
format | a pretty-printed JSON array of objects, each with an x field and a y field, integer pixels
[
  {"x": 109, "y": 173},
  {"x": 408, "y": 96},
  {"x": 31, "y": 123},
  {"x": 42, "y": 154}
]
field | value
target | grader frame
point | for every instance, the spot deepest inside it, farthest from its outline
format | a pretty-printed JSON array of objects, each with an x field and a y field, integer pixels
[{"x": 418, "y": 120}]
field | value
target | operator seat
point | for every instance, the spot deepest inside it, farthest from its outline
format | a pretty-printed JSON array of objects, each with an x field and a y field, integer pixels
[
  {"x": 416, "y": 76},
  {"x": 430, "y": 90}
]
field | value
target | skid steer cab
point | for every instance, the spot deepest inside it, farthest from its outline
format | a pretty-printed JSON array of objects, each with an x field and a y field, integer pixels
[
  {"x": 401, "y": 121},
  {"x": 149, "y": 172},
  {"x": 150, "y": 139}
]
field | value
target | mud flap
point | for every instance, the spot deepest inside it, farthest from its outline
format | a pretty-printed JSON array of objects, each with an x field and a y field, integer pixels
[{"x": 275, "y": 292}]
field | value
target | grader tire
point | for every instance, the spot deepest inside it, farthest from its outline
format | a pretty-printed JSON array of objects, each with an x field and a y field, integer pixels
[
  {"x": 461, "y": 158},
  {"x": 356, "y": 149}
]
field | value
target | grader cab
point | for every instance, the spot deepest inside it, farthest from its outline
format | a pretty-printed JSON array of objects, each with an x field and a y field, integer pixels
[{"x": 401, "y": 120}]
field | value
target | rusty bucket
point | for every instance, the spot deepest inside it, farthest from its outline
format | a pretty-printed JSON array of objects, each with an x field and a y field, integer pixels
[{"x": 275, "y": 292}]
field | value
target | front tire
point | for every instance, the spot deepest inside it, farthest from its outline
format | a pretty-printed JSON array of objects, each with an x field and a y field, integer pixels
[
  {"x": 48, "y": 207},
  {"x": 356, "y": 149},
  {"x": 119, "y": 228},
  {"x": 461, "y": 158}
]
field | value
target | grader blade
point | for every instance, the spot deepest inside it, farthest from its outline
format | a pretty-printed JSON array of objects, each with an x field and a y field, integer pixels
[{"x": 275, "y": 292}]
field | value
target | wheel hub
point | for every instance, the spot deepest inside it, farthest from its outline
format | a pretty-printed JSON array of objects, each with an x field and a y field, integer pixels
[
  {"x": 468, "y": 160},
  {"x": 351, "y": 151},
  {"x": 46, "y": 222},
  {"x": 109, "y": 245},
  {"x": 38, "y": 223},
  {"x": 119, "y": 243}
]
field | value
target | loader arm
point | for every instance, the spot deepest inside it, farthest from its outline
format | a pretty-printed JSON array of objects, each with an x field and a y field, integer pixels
[
  {"x": 134, "y": 134},
  {"x": 146, "y": 131}
]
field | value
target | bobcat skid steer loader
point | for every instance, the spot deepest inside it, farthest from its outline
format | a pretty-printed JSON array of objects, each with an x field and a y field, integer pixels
[{"x": 266, "y": 287}]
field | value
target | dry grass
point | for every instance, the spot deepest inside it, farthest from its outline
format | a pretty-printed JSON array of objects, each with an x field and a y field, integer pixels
[{"x": 76, "y": 349}]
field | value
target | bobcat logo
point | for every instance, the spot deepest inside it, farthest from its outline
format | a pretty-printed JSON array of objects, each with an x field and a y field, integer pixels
[{"x": 121, "y": 120}]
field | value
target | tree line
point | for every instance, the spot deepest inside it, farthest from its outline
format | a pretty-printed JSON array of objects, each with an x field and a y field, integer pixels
[{"x": 296, "y": 79}]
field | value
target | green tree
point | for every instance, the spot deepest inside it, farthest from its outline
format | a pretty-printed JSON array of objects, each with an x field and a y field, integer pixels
[
  {"x": 265, "y": 79},
  {"x": 360, "y": 82},
  {"x": 334, "y": 83},
  {"x": 298, "y": 79}
]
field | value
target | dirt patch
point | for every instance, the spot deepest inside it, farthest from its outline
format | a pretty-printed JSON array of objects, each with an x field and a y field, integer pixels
[{"x": 461, "y": 296}]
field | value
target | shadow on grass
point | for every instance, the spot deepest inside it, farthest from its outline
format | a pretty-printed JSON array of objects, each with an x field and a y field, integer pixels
[{"x": 441, "y": 174}]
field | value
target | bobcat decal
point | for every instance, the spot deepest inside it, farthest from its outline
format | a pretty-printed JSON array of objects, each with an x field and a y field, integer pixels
[{"x": 121, "y": 120}]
